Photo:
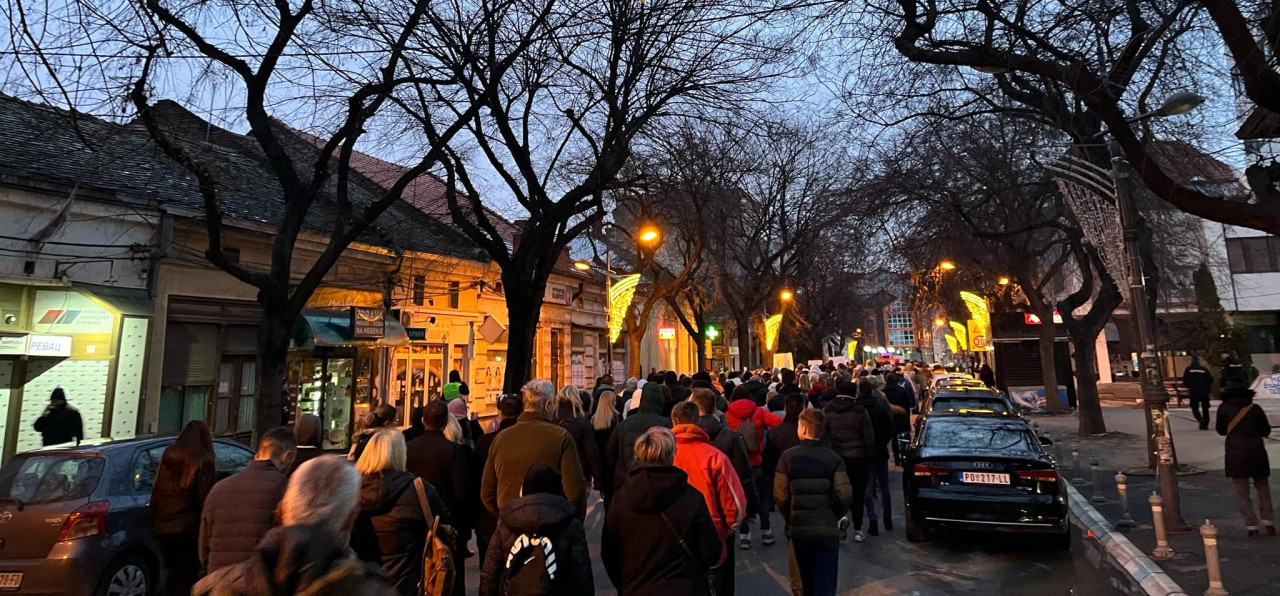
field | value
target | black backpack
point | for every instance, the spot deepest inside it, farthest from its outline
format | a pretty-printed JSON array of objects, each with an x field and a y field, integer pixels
[{"x": 530, "y": 567}]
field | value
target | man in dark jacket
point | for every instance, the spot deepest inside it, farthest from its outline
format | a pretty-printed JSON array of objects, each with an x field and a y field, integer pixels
[
  {"x": 900, "y": 406},
  {"x": 727, "y": 441},
  {"x": 1244, "y": 424},
  {"x": 1198, "y": 381},
  {"x": 60, "y": 423},
  {"x": 784, "y": 436},
  {"x": 877, "y": 498},
  {"x": 533, "y": 439},
  {"x": 847, "y": 428},
  {"x": 241, "y": 509},
  {"x": 1234, "y": 374},
  {"x": 445, "y": 465},
  {"x": 619, "y": 454},
  {"x": 541, "y": 513},
  {"x": 651, "y": 523},
  {"x": 813, "y": 493},
  {"x": 486, "y": 521}
]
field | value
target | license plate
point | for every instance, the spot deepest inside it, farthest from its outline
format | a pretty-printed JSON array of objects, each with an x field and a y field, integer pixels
[
  {"x": 10, "y": 581},
  {"x": 984, "y": 478}
]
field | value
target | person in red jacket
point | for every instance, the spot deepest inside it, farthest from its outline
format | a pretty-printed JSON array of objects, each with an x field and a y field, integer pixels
[
  {"x": 744, "y": 408},
  {"x": 711, "y": 472}
]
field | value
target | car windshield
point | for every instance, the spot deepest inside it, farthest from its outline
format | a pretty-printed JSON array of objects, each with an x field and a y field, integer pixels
[
  {"x": 964, "y": 434},
  {"x": 50, "y": 478},
  {"x": 957, "y": 404}
]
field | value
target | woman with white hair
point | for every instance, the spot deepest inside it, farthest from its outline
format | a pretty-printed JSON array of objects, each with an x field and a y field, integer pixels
[{"x": 391, "y": 529}]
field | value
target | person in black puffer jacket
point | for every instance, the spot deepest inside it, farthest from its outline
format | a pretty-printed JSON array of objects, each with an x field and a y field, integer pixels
[
  {"x": 391, "y": 529},
  {"x": 900, "y": 406},
  {"x": 542, "y": 512},
  {"x": 878, "y": 496},
  {"x": 621, "y": 444},
  {"x": 812, "y": 491},
  {"x": 657, "y": 511},
  {"x": 847, "y": 429},
  {"x": 571, "y": 416}
]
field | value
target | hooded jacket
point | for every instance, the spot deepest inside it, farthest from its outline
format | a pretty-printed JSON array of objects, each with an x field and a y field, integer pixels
[
  {"x": 881, "y": 424},
  {"x": 60, "y": 423},
  {"x": 711, "y": 472},
  {"x": 391, "y": 530},
  {"x": 620, "y": 453},
  {"x": 745, "y": 409},
  {"x": 812, "y": 490},
  {"x": 238, "y": 512},
  {"x": 297, "y": 561},
  {"x": 533, "y": 439},
  {"x": 579, "y": 428},
  {"x": 642, "y": 553},
  {"x": 1246, "y": 453},
  {"x": 730, "y": 443},
  {"x": 847, "y": 426},
  {"x": 549, "y": 516}
]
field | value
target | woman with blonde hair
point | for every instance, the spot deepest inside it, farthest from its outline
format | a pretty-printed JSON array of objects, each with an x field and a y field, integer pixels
[
  {"x": 391, "y": 529},
  {"x": 568, "y": 414},
  {"x": 602, "y": 424}
]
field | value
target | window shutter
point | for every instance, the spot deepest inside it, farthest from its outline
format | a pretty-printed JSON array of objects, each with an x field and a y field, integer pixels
[{"x": 190, "y": 354}]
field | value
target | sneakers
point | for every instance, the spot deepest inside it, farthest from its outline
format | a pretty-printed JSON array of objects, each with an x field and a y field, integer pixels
[
  {"x": 844, "y": 528},
  {"x": 744, "y": 541},
  {"x": 766, "y": 537},
  {"x": 858, "y": 537},
  {"x": 874, "y": 529}
]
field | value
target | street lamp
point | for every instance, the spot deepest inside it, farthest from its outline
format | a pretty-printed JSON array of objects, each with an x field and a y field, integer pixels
[
  {"x": 947, "y": 266},
  {"x": 649, "y": 235},
  {"x": 940, "y": 321},
  {"x": 786, "y": 295},
  {"x": 582, "y": 265},
  {"x": 1004, "y": 281}
]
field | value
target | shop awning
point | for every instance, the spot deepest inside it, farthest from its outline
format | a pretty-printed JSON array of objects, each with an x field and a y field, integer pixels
[
  {"x": 127, "y": 301},
  {"x": 318, "y": 328}
]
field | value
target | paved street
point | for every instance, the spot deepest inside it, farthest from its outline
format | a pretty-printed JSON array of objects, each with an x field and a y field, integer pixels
[{"x": 1009, "y": 566}]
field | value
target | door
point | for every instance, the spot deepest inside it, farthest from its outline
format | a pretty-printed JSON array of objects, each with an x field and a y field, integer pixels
[
  {"x": 237, "y": 386},
  {"x": 557, "y": 346}
]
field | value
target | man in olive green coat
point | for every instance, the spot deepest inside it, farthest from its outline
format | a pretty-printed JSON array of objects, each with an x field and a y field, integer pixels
[{"x": 533, "y": 439}]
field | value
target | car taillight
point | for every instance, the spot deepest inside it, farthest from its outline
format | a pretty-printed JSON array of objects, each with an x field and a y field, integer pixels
[
  {"x": 89, "y": 520},
  {"x": 1039, "y": 475},
  {"x": 926, "y": 470}
]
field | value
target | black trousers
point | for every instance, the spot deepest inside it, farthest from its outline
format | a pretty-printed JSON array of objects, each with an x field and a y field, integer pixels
[
  {"x": 1200, "y": 409},
  {"x": 725, "y": 576},
  {"x": 858, "y": 469}
]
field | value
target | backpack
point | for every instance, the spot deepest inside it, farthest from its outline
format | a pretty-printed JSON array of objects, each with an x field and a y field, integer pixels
[
  {"x": 750, "y": 436},
  {"x": 530, "y": 566},
  {"x": 437, "y": 557}
]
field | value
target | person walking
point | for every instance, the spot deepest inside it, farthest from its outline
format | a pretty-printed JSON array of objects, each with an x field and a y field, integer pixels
[
  {"x": 1199, "y": 382},
  {"x": 1244, "y": 425},
  {"x": 728, "y": 442},
  {"x": 747, "y": 417},
  {"x": 846, "y": 426},
  {"x": 382, "y": 416},
  {"x": 784, "y": 436},
  {"x": 813, "y": 493},
  {"x": 570, "y": 415},
  {"x": 879, "y": 505},
  {"x": 309, "y": 552},
  {"x": 391, "y": 529},
  {"x": 60, "y": 423},
  {"x": 533, "y": 439},
  {"x": 648, "y": 414},
  {"x": 415, "y": 425},
  {"x": 900, "y": 406},
  {"x": 987, "y": 375},
  {"x": 509, "y": 407},
  {"x": 603, "y": 422},
  {"x": 540, "y": 546},
  {"x": 710, "y": 471},
  {"x": 241, "y": 509},
  {"x": 183, "y": 481},
  {"x": 306, "y": 435},
  {"x": 1234, "y": 374},
  {"x": 659, "y": 538},
  {"x": 445, "y": 465}
]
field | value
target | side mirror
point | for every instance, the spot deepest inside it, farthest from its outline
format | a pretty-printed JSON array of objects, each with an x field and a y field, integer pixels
[{"x": 1046, "y": 442}]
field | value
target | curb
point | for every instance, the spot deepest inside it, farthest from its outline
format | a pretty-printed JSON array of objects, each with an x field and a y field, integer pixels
[{"x": 1140, "y": 568}]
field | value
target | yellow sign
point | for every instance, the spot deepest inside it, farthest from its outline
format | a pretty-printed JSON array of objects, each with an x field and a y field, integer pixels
[{"x": 979, "y": 335}]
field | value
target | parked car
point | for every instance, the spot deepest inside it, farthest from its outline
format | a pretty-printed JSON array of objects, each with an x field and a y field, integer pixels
[
  {"x": 982, "y": 473},
  {"x": 73, "y": 520},
  {"x": 971, "y": 400}
]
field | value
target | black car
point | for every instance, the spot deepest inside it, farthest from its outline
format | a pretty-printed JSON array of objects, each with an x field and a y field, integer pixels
[
  {"x": 982, "y": 473},
  {"x": 971, "y": 400},
  {"x": 73, "y": 520}
]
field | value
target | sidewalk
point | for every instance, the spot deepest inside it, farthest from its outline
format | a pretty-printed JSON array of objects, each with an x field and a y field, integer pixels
[{"x": 1250, "y": 566}]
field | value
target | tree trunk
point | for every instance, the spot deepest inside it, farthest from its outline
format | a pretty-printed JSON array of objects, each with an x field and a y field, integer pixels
[
  {"x": 524, "y": 309},
  {"x": 273, "y": 351},
  {"x": 1048, "y": 364},
  {"x": 743, "y": 324},
  {"x": 700, "y": 343},
  {"x": 635, "y": 336},
  {"x": 1088, "y": 405}
]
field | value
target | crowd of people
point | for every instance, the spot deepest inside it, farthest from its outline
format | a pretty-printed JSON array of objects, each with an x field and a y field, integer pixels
[{"x": 684, "y": 467}]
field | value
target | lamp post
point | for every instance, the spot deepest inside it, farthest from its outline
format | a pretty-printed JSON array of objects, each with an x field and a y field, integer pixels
[
  {"x": 1160, "y": 449},
  {"x": 648, "y": 237}
]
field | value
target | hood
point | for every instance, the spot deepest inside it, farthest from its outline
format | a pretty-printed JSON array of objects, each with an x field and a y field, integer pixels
[
  {"x": 654, "y": 488},
  {"x": 380, "y": 491},
  {"x": 651, "y": 398},
  {"x": 690, "y": 433},
  {"x": 742, "y": 409},
  {"x": 711, "y": 425},
  {"x": 293, "y": 558},
  {"x": 539, "y": 513},
  {"x": 842, "y": 404}
]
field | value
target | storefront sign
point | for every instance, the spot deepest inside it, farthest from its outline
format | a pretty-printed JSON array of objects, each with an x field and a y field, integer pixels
[
  {"x": 58, "y": 311},
  {"x": 367, "y": 323},
  {"x": 557, "y": 294},
  {"x": 58, "y": 346},
  {"x": 666, "y": 333},
  {"x": 13, "y": 345},
  {"x": 416, "y": 333}
]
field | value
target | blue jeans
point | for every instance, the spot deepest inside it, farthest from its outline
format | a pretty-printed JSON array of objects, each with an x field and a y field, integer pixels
[
  {"x": 764, "y": 490},
  {"x": 817, "y": 562},
  {"x": 878, "y": 491}
]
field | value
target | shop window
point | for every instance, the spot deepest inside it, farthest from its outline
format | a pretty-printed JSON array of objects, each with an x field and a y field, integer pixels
[
  {"x": 1259, "y": 254},
  {"x": 419, "y": 290},
  {"x": 455, "y": 294}
]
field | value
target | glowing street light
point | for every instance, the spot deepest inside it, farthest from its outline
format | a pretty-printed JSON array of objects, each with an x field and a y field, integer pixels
[
  {"x": 1004, "y": 281},
  {"x": 786, "y": 295},
  {"x": 940, "y": 321},
  {"x": 582, "y": 265},
  {"x": 947, "y": 266},
  {"x": 649, "y": 235}
]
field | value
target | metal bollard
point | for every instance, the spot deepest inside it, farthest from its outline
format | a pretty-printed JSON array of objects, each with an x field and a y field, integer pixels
[
  {"x": 1122, "y": 485},
  {"x": 1095, "y": 493},
  {"x": 1076, "y": 478},
  {"x": 1162, "y": 550},
  {"x": 1210, "y": 534}
]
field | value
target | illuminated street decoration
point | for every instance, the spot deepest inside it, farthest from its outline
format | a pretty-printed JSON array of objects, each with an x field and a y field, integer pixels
[
  {"x": 952, "y": 344},
  {"x": 852, "y": 350},
  {"x": 620, "y": 296},
  {"x": 979, "y": 324},
  {"x": 962, "y": 335},
  {"x": 771, "y": 327}
]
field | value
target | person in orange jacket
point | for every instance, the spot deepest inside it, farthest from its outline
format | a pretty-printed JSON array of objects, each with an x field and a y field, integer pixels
[{"x": 712, "y": 473}]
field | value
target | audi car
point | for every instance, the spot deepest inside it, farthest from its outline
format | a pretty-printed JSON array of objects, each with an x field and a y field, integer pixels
[
  {"x": 73, "y": 520},
  {"x": 971, "y": 400},
  {"x": 982, "y": 473}
]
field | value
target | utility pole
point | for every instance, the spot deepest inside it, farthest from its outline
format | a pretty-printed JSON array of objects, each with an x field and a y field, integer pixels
[{"x": 1155, "y": 402}]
